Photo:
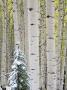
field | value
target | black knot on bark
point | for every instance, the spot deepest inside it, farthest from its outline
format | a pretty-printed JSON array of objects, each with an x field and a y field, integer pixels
[
  {"x": 48, "y": 16},
  {"x": 30, "y": 9},
  {"x": 31, "y": 24}
]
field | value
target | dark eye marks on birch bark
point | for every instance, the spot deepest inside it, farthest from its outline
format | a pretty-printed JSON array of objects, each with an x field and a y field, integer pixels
[
  {"x": 48, "y": 16},
  {"x": 32, "y": 24},
  {"x": 30, "y": 9}
]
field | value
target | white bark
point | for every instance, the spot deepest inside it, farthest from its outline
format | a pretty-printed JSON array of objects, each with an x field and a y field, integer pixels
[
  {"x": 59, "y": 31},
  {"x": 16, "y": 24},
  {"x": 65, "y": 73},
  {"x": 8, "y": 59},
  {"x": 42, "y": 46},
  {"x": 21, "y": 24},
  {"x": 1, "y": 34},
  {"x": 61, "y": 38},
  {"x": 51, "y": 57},
  {"x": 33, "y": 39},
  {"x": 3, "y": 61},
  {"x": 26, "y": 47}
]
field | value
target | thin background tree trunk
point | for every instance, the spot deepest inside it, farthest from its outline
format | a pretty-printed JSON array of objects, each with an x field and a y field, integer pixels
[
  {"x": 3, "y": 61},
  {"x": 51, "y": 57},
  {"x": 16, "y": 25},
  {"x": 42, "y": 46}
]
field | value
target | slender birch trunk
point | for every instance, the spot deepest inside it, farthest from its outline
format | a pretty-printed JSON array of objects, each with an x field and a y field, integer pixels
[
  {"x": 65, "y": 84},
  {"x": 21, "y": 24},
  {"x": 42, "y": 46},
  {"x": 51, "y": 57},
  {"x": 58, "y": 30},
  {"x": 65, "y": 39},
  {"x": 25, "y": 4},
  {"x": 7, "y": 45},
  {"x": 3, "y": 61},
  {"x": 33, "y": 39},
  {"x": 65, "y": 71},
  {"x": 9, "y": 36},
  {"x": 1, "y": 34},
  {"x": 62, "y": 49},
  {"x": 16, "y": 24}
]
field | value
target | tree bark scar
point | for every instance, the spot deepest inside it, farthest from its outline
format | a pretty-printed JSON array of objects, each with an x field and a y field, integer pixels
[
  {"x": 31, "y": 24},
  {"x": 30, "y": 9},
  {"x": 48, "y": 16}
]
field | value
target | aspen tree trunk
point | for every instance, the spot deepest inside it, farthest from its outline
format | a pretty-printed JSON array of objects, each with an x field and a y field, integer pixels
[
  {"x": 58, "y": 29},
  {"x": 22, "y": 28},
  {"x": 26, "y": 47},
  {"x": 3, "y": 61},
  {"x": 21, "y": 24},
  {"x": 16, "y": 24},
  {"x": 42, "y": 46},
  {"x": 33, "y": 39},
  {"x": 62, "y": 41},
  {"x": 7, "y": 43},
  {"x": 51, "y": 57},
  {"x": 1, "y": 34},
  {"x": 58, "y": 48},
  {"x": 65, "y": 72},
  {"x": 10, "y": 34}
]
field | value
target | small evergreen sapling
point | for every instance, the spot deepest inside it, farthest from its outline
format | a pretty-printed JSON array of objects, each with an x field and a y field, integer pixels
[{"x": 18, "y": 78}]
